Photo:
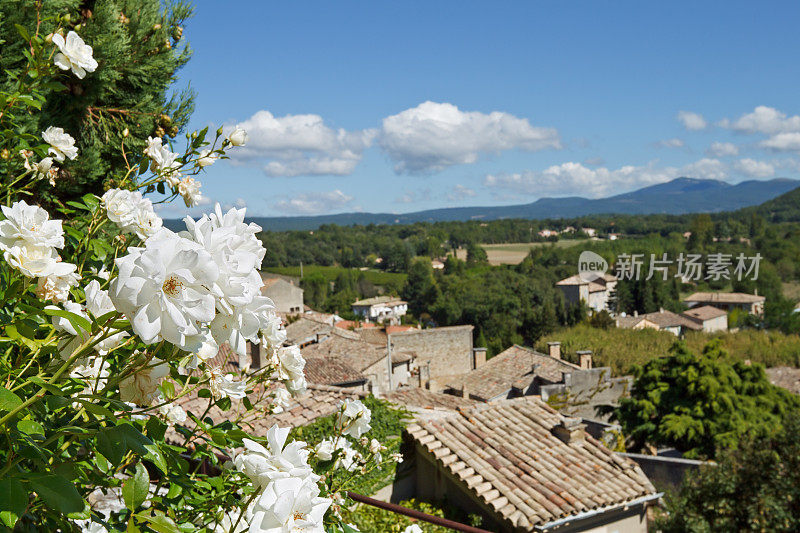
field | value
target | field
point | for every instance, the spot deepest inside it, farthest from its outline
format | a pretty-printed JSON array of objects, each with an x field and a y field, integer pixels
[
  {"x": 376, "y": 277},
  {"x": 514, "y": 253},
  {"x": 622, "y": 348}
]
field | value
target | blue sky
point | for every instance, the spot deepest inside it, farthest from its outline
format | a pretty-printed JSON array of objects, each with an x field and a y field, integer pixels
[{"x": 402, "y": 106}]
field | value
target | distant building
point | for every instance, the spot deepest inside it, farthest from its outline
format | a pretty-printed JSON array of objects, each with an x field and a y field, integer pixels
[
  {"x": 437, "y": 265},
  {"x": 381, "y": 308},
  {"x": 710, "y": 318},
  {"x": 614, "y": 236},
  {"x": 524, "y": 467},
  {"x": 728, "y": 301},
  {"x": 661, "y": 320},
  {"x": 287, "y": 296},
  {"x": 590, "y": 232},
  {"x": 439, "y": 352},
  {"x": 598, "y": 294},
  {"x": 546, "y": 233},
  {"x": 334, "y": 371}
]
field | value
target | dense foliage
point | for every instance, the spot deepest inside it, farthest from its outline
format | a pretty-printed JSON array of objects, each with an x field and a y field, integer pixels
[
  {"x": 755, "y": 486},
  {"x": 700, "y": 403},
  {"x": 621, "y": 349},
  {"x": 138, "y": 46}
]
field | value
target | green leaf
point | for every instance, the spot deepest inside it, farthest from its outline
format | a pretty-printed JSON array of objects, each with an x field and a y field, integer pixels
[
  {"x": 8, "y": 400},
  {"x": 30, "y": 427},
  {"x": 13, "y": 500},
  {"x": 78, "y": 322},
  {"x": 98, "y": 410},
  {"x": 162, "y": 524},
  {"x": 58, "y": 493},
  {"x": 116, "y": 441},
  {"x": 134, "y": 490},
  {"x": 78, "y": 205},
  {"x": 23, "y": 32},
  {"x": 156, "y": 457}
]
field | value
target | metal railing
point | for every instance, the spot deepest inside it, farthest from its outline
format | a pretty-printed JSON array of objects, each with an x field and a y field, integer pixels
[{"x": 418, "y": 515}]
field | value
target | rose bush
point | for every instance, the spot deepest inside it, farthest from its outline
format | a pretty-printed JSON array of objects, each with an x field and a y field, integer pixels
[{"x": 109, "y": 320}]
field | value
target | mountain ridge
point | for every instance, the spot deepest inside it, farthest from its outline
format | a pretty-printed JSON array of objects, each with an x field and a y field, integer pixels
[{"x": 679, "y": 196}]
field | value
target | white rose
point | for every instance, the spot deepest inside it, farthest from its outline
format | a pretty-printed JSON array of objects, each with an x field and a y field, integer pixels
[
  {"x": 56, "y": 288},
  {"x": 174, "y": 414},
  {"x": 226, "y": 386},
  {"x": 238, "y": 137},
  {"x": 142, "y": 387},
  {"x": 29, "y": 224},
  {"x": 324, "y": 450},
  {"x": 281, "y": 400},
  {"x": 354, "y": 418},
  {"x": 189, "y": 189},
  {"x": 62, "y": 144},
  {"x": 165, "y": 289},
  {"x": 206, "y": 158},
  {"x": 73, "y": 54},
  {"x": 289, "y": 364},
  {"x": 163, "y": 159},
  {"x": 287, "y": 505},
  {"x": 37, "y": 261}
]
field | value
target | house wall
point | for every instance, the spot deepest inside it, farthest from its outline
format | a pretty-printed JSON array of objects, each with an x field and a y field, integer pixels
[
  {"x": 572, "y": 293},
  {"x": 664, "y": 472},
  {"x": 583, "y": 390},
  {"x": 288, "y": 298},
  {"x": 447, "y": 351},
  {"x": 716, "y": 324},
  {"x": 377, "y": 375}
]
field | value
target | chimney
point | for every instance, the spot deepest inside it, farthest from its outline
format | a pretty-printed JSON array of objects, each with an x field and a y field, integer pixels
[
  {"x": 570, "y": 430},
  {"x": 660, "y": 309},
  {"x": 554, "y": 349},
  {"x": 464, "y": 391},
  {"x": 585, "y": 358},
  {"x": 478, "y": 357},
  {"x": 319, "y": 337},
  {"x": 636, "y": 313}
]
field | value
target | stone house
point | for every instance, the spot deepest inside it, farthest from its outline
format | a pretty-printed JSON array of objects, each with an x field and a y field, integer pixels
[
  {"x": 598, "y": 295},
  {"x": 728, "y": 301},
  {"x": 287, "y": 296},
  {"x": 439, "y": 351},
  {"x": 369, "y": 360},
  {"x": 576, "y": 390},
  {"x": 525, "y": 467},
  {"x": 710, "y": 318},
  {"x": 662, "y": 320},
  {"x": 381, "y": 308}
]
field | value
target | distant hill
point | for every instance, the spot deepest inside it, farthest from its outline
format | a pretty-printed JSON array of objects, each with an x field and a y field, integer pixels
[
  {"x": 784, "y": 208},
  {"x": 679, "y": 196}
]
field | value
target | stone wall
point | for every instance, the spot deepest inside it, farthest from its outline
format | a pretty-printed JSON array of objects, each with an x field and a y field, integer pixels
[
  {"x": 288, "y": 298},
  {"x": 583, "y": 390},
  {"x": 446, "y": 351}
]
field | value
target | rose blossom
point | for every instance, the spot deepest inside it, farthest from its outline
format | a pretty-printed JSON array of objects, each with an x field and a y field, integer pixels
[
  {"x": 73, "y": 54},
  {"x": 62, "y": 144}
]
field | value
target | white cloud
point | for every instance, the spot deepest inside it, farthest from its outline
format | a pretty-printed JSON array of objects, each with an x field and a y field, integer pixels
[
  {"x": 576, "y": 179},
  {"x": 295, "y": 145},
  {"x": 460, "y": 192},
  {"x": 434, "y": 136},
  {"x": 692, "y": 121},
  {"x": 720, "y": 149},
  {"x": 311, "y": 203},
  {"x": 783, "y": 142},
  {"x": 763, "y": 119},
  {"x": 755, "y": 169},
  {"x": 671, "y": 143}
]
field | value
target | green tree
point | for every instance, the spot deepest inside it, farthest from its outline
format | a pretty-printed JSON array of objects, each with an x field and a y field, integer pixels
[
  {"x": 420, "y": 289},
  {"x": 702, "y": 229},
  {"x": 699, "y": 403},
  {"x": 476, "y": 254},
  {"x": 139, "y": 48},
  {"x": 754, "y": 487},
  {"x": 315, "y": 288}
]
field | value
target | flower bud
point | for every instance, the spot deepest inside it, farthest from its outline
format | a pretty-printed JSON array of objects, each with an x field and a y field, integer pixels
[{"x": 125, "y": 132}]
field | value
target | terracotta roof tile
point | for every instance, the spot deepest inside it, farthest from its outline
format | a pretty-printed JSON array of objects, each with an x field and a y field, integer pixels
[
  {"x": 331, "y": 371},
  {"x": 426, "y": 399},
  {"x": 706, "y": 312},
  {"x": 724, "y": 297},
  {"x": 507, "y": 455},
  {"x": 500, "y": 373}
]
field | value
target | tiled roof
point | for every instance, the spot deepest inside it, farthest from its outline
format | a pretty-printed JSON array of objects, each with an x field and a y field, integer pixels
[
  {"x": 706, "y": 312},
  {"x": 359, "y": 354},
  {"x": 317, "y": 401},
  {"x": 668, "y": 319},
  {"x": 373, "y": 335},
  {"x": 331, "y": 371},
  {"x": 305, "y": 330},
  {"x": 385, "y": 300},
  {"x": 506, "y": 455},
  {"x": 425, "y": 399},
  {"x": 724, "y": 297},
  {"x": 785, "y": 376},
  {"x": 499, "y": 374}
]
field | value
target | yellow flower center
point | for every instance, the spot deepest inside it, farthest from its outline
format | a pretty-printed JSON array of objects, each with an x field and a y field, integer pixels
[{"x": 172, "y": 286}]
